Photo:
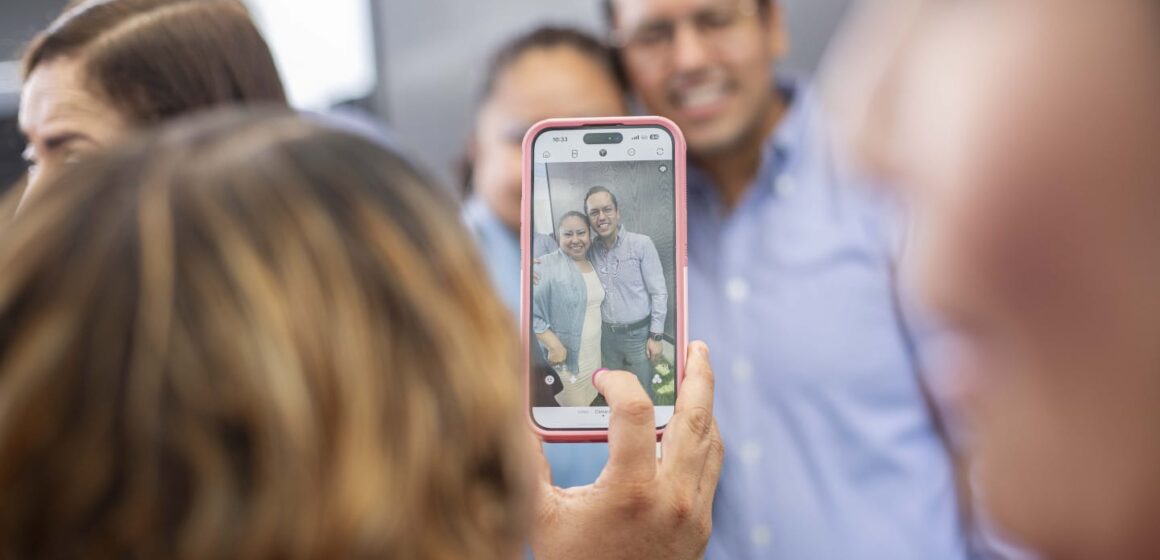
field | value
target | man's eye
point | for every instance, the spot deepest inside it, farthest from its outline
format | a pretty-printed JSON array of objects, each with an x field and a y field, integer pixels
[
  {"x": 653, "y": 34},
  {"x": 715, "y": 20}
]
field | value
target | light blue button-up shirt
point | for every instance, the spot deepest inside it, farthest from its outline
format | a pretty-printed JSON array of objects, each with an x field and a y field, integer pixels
[
  {"x": 634, "y": 282},
  {"x": 831, "y": 452}
]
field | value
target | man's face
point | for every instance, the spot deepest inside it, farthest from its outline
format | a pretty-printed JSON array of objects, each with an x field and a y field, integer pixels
[
  {"x": 1026, "y": 142},
  {"x": 603, "y": 214},
  {"x": 705, "y": 64}
]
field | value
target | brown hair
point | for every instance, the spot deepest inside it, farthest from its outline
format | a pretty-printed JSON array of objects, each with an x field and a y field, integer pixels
[
  {"x": 546, "y": 37},
  {"x": 540, "y": 38},
  {"x": 253, "y": 337},
  {"x": 608, "y": 8},
  {"x": 156, "y": 59}
]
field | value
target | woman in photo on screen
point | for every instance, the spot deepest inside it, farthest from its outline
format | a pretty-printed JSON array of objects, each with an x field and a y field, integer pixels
[{"x": 566, "y": 310}]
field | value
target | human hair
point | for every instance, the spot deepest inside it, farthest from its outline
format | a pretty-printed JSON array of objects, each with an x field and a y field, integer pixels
[
  {"x": 574, "y": 214},
  {"x": 156, "y": 59},
  {"x": 545, "y": 37},
  {"x": 609, "y": 11},
  {"x": 600, "y": 189},
  {"x": 253, "y": 337}
]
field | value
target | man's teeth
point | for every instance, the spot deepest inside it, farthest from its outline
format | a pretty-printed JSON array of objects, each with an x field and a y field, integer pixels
[{"x": 705, "y": 95}]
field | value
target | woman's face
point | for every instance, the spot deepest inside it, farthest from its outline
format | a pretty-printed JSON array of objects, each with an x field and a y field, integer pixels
[
  {"x": 574, "y": 237},
  {"x": 542, "y": 83},
  {"x": 63, "y": 120},
  {"x": 1025, "y": 140}
]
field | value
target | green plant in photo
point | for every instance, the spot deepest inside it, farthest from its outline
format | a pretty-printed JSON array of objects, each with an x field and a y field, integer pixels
[{"x": 664, "y": 383}]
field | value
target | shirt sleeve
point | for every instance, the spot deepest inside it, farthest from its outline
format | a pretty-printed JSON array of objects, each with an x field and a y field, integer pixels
[
  {"x": 541, "y": 296},
  {"x": 654, "y": 282}
]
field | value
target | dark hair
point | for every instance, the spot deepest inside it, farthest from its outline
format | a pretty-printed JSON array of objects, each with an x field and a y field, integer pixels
[
  {"x": 574, "y": 214},
  {"x": 156, "y": 59},
  {"x": 547, "y": 37},
  {"x": 153, "y": 295},
  {"x": 610, "y": 11},
  {"x": 600, "y": 189}
]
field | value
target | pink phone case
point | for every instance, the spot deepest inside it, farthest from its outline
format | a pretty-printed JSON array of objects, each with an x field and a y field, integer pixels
[{"x": 576, "y": 436}]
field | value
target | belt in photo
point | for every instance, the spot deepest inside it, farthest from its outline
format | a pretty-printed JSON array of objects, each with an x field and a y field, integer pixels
[{"x": 621, "y": 328}]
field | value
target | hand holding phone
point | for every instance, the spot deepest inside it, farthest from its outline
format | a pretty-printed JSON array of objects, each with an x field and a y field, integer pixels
[{"x": 639, "y": 507}]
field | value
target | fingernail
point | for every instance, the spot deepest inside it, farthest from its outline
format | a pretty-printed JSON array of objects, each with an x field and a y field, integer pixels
[
  {"x": 595, "y": 374},
  {"x": 702, "y": 349}
]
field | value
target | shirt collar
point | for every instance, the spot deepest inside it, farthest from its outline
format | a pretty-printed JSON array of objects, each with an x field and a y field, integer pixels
[{"x": 619, "y": 238}]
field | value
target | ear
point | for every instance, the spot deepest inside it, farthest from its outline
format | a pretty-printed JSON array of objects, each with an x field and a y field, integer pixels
[
  {"x": 779, "y": 44},
  {"x": 472, "y": 144},
  {"x": 467, "y": 163}
]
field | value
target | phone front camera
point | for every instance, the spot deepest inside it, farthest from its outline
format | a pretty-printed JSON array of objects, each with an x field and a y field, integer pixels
[{"x": 603, "y": 153}]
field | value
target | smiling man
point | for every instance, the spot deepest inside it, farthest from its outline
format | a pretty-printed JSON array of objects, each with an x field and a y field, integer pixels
[
  {"x": 636, "y": 299},
  {"x": 832, "y": 450}
]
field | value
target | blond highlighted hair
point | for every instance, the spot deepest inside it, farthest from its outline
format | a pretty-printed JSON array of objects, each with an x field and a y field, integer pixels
[{"x": 253, "y": 337}]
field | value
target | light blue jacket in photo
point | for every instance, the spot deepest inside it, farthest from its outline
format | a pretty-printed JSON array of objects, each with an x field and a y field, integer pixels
[{"x": 559, "y": 302}]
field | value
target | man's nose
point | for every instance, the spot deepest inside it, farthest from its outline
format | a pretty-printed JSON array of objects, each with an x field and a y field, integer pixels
[{"x": 691, "y": 51}]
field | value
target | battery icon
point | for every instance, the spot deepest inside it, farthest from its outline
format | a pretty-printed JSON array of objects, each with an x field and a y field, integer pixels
[{"x": 654, "y": 137}]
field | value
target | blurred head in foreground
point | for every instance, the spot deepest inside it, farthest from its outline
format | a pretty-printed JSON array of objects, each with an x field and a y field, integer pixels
[
  {"x": 108, "y": 67},
  {"x": 252, "y": 337},
  {"x": 1026, "y": 137}
]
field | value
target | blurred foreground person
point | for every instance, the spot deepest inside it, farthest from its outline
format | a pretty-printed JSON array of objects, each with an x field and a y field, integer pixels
[
  {"x": 108, "y": 67},
  {"x": 257, "y": 337},
  {"x": 1026, "y": 136}
]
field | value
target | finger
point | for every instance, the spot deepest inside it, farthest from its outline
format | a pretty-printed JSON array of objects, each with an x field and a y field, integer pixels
[
  {"x": 696, "y": 390},
  {"x": 688, "y": 439},
  {"x": 711, "y": 473},
  {"x": 631, "y": 428},
  {"x": 541, "y": 468}
]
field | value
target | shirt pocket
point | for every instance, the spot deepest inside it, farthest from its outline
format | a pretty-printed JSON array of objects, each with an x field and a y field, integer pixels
[{"x": 629, "y": 272}]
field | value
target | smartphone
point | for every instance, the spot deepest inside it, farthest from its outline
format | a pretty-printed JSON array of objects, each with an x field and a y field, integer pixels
[{"x": 603, "y": 268}]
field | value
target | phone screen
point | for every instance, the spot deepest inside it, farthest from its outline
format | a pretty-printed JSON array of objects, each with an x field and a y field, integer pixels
[{"x": 604, "y": 268}]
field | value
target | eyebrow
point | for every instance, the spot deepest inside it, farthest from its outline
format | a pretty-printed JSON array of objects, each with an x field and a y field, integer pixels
[{"x": 63, "y": 139}]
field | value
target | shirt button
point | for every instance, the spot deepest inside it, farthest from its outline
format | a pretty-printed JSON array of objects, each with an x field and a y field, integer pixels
[
  {"x": 751, "y": 452},
  {"x": 742, "y": 369},
  {"x": 761, "y": 536},
  {"x": 737, "y": 290},
  {"x": 784, "y": 185}
]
